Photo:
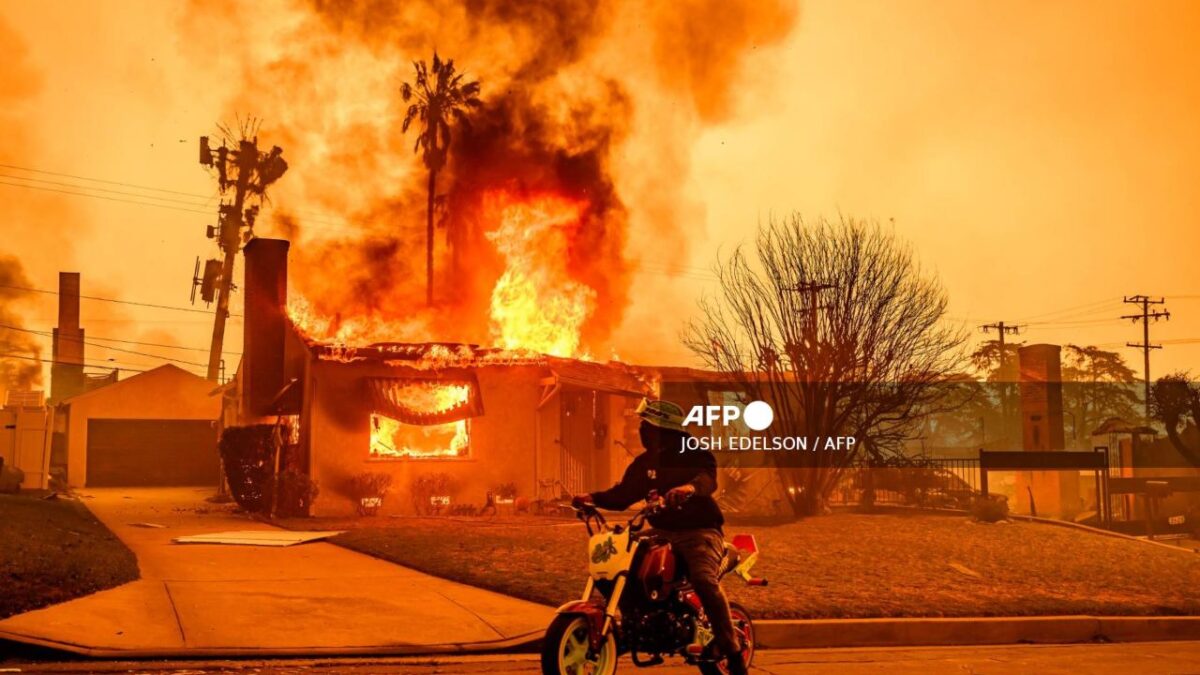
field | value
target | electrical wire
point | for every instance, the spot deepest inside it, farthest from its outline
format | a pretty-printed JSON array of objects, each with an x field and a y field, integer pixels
[
  {"x": 121, "y": 302},
  {"x": 86, "y": 365},
  {"x": 44, "y": 334}
]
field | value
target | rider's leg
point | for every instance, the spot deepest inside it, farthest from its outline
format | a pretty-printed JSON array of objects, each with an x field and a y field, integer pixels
[{"x": 702, "y": 550}]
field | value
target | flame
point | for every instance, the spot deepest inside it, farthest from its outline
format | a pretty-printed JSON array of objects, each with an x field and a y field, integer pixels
[
  {"x": 392, "y": 438},
  {"x": 536, "y": 304},
  {"x": 353, "y": 330}
]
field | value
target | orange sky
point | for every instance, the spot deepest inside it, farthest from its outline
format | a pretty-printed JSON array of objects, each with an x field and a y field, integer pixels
[{"x": 1041, "y": 157}]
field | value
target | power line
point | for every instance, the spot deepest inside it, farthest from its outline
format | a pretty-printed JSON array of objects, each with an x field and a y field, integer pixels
[
  {"x": 109, "y": 191},
  {"x": 121, "y": 302},
  {"x": 156, "y": 344},
  {"x": 44, "y": 334},
  {"x": 320, "y": 217},
  {"x": 1086, "y": 307},
  {"x": 86, "y": 365},
  {"x": 97, "y": 180},
  {"x": 111, "y": 199}
]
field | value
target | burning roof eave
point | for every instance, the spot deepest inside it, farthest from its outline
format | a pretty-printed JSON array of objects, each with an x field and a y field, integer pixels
[{"x": 444, "y": 358}]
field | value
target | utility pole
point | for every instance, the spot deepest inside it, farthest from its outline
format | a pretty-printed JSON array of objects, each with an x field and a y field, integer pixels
[
  {"x": 1002, "y": 329},
  {"x": 811, "y": 290},
  {"x": 1145, "y": 302},
  {"x": 252, "y": 171}
]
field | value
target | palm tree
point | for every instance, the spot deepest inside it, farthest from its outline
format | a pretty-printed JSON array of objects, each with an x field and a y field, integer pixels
[{"x": 438, "y": 96}]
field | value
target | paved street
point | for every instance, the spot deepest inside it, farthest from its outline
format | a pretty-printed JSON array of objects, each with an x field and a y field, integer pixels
[{"x": 1145, "y": 657}]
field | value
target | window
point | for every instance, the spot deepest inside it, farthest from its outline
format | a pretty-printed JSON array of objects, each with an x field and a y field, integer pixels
[
  {"x": 415, "y": 419},
  {"x": 392, "y": 439}
]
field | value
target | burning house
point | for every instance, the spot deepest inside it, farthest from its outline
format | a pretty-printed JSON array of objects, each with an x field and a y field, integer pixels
[{"x": 477, "y": 418}]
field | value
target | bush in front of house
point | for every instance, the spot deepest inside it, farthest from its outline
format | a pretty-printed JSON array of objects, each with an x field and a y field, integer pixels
[
  {"x": 428, "y": 488},
  {"x": 990, "y": 508},
  {"x": 248, "y": 455},
  {"x": 368, "y": 489},
  {"x": 296, "y": 494}
]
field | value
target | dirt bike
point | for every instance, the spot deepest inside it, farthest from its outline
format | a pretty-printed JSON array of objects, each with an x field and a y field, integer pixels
[{"x": 638, "y": 600}]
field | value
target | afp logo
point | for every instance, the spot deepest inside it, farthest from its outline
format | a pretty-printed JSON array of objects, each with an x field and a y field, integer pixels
[{"x": 757, "y": 415}]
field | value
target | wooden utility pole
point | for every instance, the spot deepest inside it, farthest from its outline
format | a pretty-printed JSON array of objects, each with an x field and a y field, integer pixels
[
  {"x": 1146, "y": 315},
  {"x": 253, "y": 172},
  {"x": 1003, "y": 329}
]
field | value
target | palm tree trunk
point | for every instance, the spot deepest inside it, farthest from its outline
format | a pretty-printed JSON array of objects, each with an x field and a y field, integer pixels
[{"x": 429, "y": 240}]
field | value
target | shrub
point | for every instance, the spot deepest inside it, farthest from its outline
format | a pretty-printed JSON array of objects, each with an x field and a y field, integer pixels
[
  {"x": 296, "y": 493},
  {"x": 368, "y": 489},
  {"x": 506, "y": 491},
  {"x": 990, "y": 508},
  {"x": 248, "y": 455},
  {"x": 427, "y": 486}
]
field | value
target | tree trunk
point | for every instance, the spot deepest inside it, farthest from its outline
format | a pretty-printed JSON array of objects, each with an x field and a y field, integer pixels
[{"x": 429, "y": 239}]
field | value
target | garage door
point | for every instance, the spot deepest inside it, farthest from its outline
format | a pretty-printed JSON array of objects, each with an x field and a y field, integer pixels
[{"x": 151, "y": 452}]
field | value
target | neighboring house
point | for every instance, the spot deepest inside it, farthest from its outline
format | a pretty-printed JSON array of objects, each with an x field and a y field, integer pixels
[
  {"x": 479, "y": 417},
  {"x": 157, "y": 428}
]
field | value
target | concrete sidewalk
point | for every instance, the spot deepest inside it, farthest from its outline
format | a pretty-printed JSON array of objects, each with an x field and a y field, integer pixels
[{"x": 214, "y": 600}]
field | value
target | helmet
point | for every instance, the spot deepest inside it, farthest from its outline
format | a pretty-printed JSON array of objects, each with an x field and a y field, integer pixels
[{"x": 663, "y": 414}]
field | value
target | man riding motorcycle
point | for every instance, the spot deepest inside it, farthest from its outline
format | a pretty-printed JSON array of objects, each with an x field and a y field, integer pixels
[{"x": 692, "y": 522}]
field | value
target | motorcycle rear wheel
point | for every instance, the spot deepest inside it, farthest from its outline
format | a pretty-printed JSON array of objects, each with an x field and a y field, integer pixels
[
  {"x": 744, "y": 625},
  {"x": 565, "y": 649}
]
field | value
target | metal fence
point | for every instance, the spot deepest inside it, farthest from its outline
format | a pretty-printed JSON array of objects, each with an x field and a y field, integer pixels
[{"x": 910, "y": 481}]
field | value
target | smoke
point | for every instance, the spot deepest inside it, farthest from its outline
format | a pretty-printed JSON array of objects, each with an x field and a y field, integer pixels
[
  {"x": 20, "y": 353},
  {"x": 594, "y": 101}
]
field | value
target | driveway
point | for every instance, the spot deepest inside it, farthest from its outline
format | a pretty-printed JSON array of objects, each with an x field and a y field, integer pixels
[{"x": 217, "y": 600}]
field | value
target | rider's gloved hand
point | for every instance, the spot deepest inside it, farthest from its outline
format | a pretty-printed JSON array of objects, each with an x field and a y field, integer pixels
[
  {"x": 678, "y": 495},
  {"x": 580, "y": 501}
]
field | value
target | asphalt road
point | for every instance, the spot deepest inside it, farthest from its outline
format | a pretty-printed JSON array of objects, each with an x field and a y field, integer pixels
[{"x": 1144, "y": 657}]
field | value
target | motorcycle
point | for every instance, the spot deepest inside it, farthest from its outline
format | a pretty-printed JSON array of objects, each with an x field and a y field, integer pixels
[{"x": 638, "y": 600}]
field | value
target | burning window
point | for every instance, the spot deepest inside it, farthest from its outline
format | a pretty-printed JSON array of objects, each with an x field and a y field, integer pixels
[
  {"x": 418, "y": 419},
  {"x": 394, "y": 439}
]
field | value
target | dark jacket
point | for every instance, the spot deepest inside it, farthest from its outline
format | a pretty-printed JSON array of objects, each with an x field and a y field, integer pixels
[{"x": 649, "y": 472}]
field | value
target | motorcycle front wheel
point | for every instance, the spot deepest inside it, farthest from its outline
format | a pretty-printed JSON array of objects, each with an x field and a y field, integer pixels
[
  {"x": 744, "y": 626},
  {"x": 565, "y": 649}
]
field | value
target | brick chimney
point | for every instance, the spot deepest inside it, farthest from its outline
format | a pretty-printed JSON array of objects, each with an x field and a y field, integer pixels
[
  {"x": 265, "y": 324},
  {"x": 66, "y": 370},
  {"x": 1041, "y": 397}
]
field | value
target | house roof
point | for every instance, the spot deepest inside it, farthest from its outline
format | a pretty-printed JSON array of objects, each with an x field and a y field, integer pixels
[
  {"x": 612, "y": 376},
  {"x": 167, "y": 369}
]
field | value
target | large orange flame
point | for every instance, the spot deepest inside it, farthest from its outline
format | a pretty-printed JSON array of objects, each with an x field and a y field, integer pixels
[{"x": 536, "y": 304}]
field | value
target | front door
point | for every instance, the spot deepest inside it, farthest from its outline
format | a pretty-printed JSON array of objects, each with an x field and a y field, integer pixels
[{"x": 583, "y": 438}]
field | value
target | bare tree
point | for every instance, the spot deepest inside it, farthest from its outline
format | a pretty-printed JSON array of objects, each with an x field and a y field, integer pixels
[{"x": 837, "y": 325}]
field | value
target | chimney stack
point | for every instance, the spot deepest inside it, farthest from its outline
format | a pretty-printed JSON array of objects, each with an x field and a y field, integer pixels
[
  {"x": 66, "y": 371},
  {"x": 265, "y": 324}
]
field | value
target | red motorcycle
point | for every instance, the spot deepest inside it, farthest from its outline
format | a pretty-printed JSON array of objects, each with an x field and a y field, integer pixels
[{"x": 638, "y": 600}]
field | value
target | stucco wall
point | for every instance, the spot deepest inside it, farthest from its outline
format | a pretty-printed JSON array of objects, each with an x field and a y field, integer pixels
[
  {"x": 502, "y": 441},
  {"x": 513, "y": 441},
  {"x": 166, "y": 392}
]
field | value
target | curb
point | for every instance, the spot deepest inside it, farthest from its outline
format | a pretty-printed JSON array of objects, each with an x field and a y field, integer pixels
[
  {"x": 529, "y": 642},
  {"x": 800, "y": 634},
  {"x": 771, "y": 634}
]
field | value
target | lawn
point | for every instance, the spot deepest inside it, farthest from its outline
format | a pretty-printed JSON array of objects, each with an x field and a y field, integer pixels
[
  {"x": 837, "y": 566},
  {"x": 55, "y": 550}
]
